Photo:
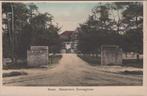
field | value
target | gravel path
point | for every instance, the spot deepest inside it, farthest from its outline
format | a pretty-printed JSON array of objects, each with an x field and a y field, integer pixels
[{"x": 73, "y": 71}]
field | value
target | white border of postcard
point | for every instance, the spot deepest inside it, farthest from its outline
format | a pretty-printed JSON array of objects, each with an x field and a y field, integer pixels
[{"x": 96, "y": 91}]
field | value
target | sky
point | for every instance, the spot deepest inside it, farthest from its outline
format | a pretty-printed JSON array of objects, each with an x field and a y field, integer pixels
[{"x": 67, "y": 15}]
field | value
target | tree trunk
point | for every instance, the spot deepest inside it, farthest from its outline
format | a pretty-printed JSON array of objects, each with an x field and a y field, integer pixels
[
  {"x": 126, "y": 55},
  {"x": 137, "y": 57}
]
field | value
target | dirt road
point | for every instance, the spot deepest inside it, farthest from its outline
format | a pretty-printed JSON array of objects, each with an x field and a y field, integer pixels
[{"x": 73, "y": 71}]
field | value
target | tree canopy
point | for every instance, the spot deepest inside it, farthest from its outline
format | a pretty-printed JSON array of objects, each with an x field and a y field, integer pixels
[
  {"x": 30, "y": 28},
  {"x": 116, "y": 23}
]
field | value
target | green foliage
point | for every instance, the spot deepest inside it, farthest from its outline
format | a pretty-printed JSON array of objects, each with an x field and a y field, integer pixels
[
  {"x": 94, "y": 32},
  {"x": 30, "y": 28},
  {"x": 117, "y": 23},
  {"x": 44, "y": 32},
  {"x": 133, "y": 19}
]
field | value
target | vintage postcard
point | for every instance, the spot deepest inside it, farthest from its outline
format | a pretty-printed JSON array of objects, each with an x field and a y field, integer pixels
[{"x": 77, "y": 48}]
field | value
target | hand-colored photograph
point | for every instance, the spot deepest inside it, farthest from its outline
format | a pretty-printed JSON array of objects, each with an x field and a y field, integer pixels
[{"x": 72, "y": 43}]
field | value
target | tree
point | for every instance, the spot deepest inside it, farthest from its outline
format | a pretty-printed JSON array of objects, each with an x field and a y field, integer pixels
[
  {"x": 92, "y": 34},
  {"x": 44, "y": 32},
  {"x": 117, "y": 23},
  {"x": 15, "y": 17},
  {"x": 133, "y": 20},
  {"x": 30, "y": 28}
]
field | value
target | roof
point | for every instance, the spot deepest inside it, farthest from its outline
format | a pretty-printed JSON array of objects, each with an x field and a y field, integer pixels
[{"x": 67, "y": 33}]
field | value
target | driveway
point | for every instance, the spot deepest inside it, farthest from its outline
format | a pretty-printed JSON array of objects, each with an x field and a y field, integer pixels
[{"x": 73, "y": 71}]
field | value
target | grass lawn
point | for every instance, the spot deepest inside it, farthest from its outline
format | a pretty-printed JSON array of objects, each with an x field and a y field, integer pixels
[
  {"x": 53, "y": 59},
  {"x": 21, "y": 69},
  {"x": 94, "y": 61},
  {"x": 14, "y": 73},
  {"x": 133, "y": 63}
]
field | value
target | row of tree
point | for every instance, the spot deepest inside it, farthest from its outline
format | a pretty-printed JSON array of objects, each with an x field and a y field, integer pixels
[
  {"x": 24, "y": 26},
  {"x": 116, "y": 23}
]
